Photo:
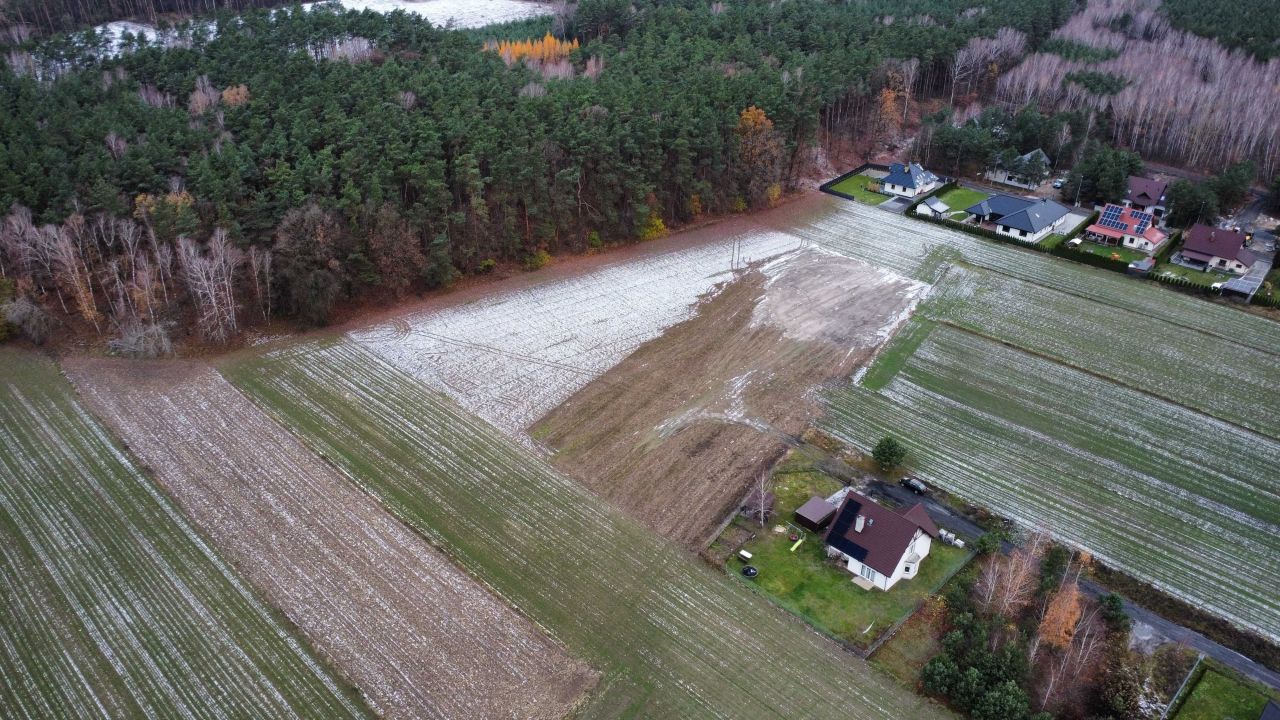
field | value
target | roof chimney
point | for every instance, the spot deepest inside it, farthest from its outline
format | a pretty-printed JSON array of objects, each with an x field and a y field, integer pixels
[{"x": 857, "y": 524}]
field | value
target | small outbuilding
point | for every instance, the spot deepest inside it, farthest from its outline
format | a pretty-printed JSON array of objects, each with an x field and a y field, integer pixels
[{"x": 815, "y": 514}]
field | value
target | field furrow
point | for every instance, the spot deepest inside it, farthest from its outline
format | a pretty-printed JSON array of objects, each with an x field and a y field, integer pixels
[
  {"x": 672, "y": 638},
  {"x": 112, "y": 604},
  {"x": 1158, "y": 490},
  {"x": 418, "y": 636},
  {"x": 1228, "y": 380}
]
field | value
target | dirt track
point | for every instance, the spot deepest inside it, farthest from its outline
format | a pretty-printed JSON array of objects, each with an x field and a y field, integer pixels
[
  {"x": 418, "y": 636},
  {"x": 676, "y": 432}
]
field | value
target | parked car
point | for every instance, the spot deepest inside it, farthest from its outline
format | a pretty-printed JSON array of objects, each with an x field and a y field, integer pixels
[
  {"x": 914, "y": 484},
  {"x": 1057, "y": 184}
]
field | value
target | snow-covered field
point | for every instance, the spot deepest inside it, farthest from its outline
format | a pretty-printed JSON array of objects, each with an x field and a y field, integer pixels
[
  {"x": 512, "y": 357},
  {"x": 672, "y": 638},
  {"x": 1165, "y": 493},
  {"x": 111, "y": 605},
  {"x": 450, "y": 13},
  {"x": 456, "y": 13},
  {"x": 420, "y": 638}
]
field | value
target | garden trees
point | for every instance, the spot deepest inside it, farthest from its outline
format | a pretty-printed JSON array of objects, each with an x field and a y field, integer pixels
[
  {"x": 889, "y": 452},
  {"x": 1102, "y": 174},
  {"x": 1190, "y": 203}
]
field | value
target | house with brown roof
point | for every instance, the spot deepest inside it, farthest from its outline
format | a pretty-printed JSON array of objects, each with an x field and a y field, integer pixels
[
  {"x": 1205, "y": 247},
  {"x": 878, "y": 545},
  {"x": 1146, "y": 195}
]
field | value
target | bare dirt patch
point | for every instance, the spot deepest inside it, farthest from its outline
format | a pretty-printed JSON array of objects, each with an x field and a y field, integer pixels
[
  {"x": 417, "y": 635},
  {"x": 676, "y": 432}
]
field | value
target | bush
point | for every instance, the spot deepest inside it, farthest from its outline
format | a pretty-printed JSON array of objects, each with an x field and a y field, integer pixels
[
  {"x": 32, "y": 321},
  {"x": 653, "y": 229},
  {"x": 6, "y": 296},
  {"x": 537, "y": 260},
  {"x": 594, "y": 241},
  {"x": 986, "y": 544},
  {"x": 1112, "y": 606},
  {"x": 888, "y": 452},
  {"x": 486, "y": 266}
]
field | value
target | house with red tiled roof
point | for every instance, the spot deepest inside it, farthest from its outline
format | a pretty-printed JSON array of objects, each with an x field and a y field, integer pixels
[
  {"x": 1129, "y": 227},
  {"x": 1205, "y": 247},
  {"x": 878, "y": 545}
]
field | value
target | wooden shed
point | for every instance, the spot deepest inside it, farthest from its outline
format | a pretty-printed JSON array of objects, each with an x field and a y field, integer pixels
[{"x": 815, "y": 514}]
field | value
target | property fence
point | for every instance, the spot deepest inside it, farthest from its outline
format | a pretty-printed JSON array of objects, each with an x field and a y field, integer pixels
[{"x": 827, "y": 186}]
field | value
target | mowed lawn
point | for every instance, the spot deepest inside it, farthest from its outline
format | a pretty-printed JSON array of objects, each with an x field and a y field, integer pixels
[
  {"x": 110, "y": 604},
  {"x": 859, "y": 186},
  {"x": 1218, "y": 697},
  {"x": 672, "y": 637},
  {"x": 961, "y": 198},
  {"x": 1141, "y": 482},
  {"x": 805, "y": 582}
]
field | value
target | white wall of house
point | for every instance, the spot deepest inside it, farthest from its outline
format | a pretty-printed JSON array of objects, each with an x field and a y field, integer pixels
[
  {"x": 1228, "y": 264},
  {"x": 1140, "y": 243},
  {"x": 1000, "y": 176},
  {"x": 902, "y": 191},
  {"x": 1027, "y": 237},
  {"x": 905, "y": 570}
]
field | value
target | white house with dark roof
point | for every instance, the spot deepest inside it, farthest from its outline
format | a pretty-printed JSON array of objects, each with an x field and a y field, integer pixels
[
  {"x": 1205, "y": 247},
  {"x": 908, "y": 180},
  {"x": 878, "y": 545},
  {"x": 1034, "y": 222}
]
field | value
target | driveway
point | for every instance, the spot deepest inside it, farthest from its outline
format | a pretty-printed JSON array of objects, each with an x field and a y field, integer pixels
[{"x": 895, "y": 205}]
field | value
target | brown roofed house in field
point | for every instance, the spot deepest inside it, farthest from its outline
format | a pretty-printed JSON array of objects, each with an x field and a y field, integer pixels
[{"x": 878, "y": 545}]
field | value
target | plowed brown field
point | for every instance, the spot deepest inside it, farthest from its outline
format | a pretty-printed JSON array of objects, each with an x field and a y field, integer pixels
[{"x": 676, "y": 433}]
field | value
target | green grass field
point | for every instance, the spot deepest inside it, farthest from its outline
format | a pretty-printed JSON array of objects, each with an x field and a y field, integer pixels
[
  {"x": 859, "y": 187},
  {"x": 1218, "y": 697},
  {"x": 1141, "y": 482},
  {"x": 112, "y": 605},
  {"x": 960, "y": 198},
  {"x": 672, "y": 637},
  {"x": 1204, "y": 278},
  {"x": 1108, "y": 251}
]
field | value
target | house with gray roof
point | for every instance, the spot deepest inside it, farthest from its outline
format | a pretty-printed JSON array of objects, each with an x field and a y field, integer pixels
[
  {"x": 909, "y": 180},
  {"x": 997, "y": 206},
  {"x": 1034, "y": 222}
]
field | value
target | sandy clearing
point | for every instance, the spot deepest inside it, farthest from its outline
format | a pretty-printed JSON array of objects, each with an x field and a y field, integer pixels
[
  {"x": 420, "y": 638},
  {"x": 676, "y": 432},
  {"x": 512, "y": 356}
]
